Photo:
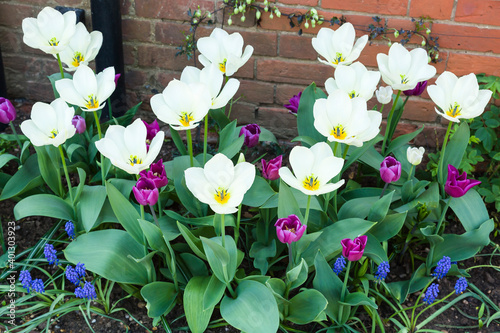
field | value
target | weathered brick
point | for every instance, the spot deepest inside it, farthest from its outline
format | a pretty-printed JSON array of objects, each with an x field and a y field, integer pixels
[
  {"x": 478, "y": 11},
  {"x": 170, "y": 9},
  {"x": 244, "y": 112},
  {"x": 255, "y": 92},
  {"x": 468, "y": 38},
  {"x": 171, "y": 33},
  {"x": 297, "y": 47},
  {"x": 439, "y": 10},
  {"x": 312, "y": 3},
  {"x": 125, "y": 7},
  {"x": 164, "y": 78},
  {"x": 430, "y": 136},
  {"x": 128, "y": 54},
  {"x": 419, "y": 109},
  {"x": 246, "y": 71},
  {"x": 284, "y": 92},
  {"x": 138, "y": 30},
  {"x": 278, "y": 121},
  {"x": 161, "y": 57},
  {"x": 388, "y": 7},
  {"x": 462, "y": 64},
  {"x": 135, "y": 79},
  {"x": 264, "y": 43},
  {"x": 12, "y": 14},
  {"x": 272, "y": 70}
]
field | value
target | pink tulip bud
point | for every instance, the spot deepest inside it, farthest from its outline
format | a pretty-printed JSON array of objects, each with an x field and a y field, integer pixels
[
  {"x": 289, "y": 229},
  {"x": 156, "y": 173},
  {"x": 7, "y": 111},
  {"x": 353, "y": 250},
  {"x": 270, "y": 169},
  {"x": 251, "y": 132},
  {"x": 79, "y": 124},
  {"x": 390, "y": 170},
  {"x": 145, "y": 192},
  {"x": 457, "y": 185}
]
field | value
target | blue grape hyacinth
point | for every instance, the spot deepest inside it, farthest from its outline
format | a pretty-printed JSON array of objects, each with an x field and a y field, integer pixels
[
  {"x": 442, "y": 268},
  {"x": 50, "y": 254},
  {"x": 339, "y": 265},
  {"x": 382, "y": 270},
  {"x": 461, "y": 285},
  {"x": 25, "y": 279},
  {"x": 88, "y": 291},
  {"x": 37, "y": 286},
  {"x": 80, "y": 269},
  {"x": 431, "y": 293},
  {"x": 70, "y": 229},
  {"x": 72, "y": 275}
]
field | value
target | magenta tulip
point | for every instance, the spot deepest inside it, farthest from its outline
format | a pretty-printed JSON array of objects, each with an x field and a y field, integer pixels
[
  {"x": 145, "y": 192},
  {"x": 156, "y": 173},
  {"x": 457, "y": 185},
  {"x": 252, "y": 133},
  {"x": 417, "y": 91},
  {"x": 79, "y": 124},
  {"x": 293, "y": 105},
  {"x": 353, "y": 250},
  {"x": 7, "y": 111},
  {"x": 270, "y": 169},
  {"x": 289, "y": 229},
  {"x": 390, "y": 170}
]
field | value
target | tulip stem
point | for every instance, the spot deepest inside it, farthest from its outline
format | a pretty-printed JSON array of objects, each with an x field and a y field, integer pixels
[
  {"x": 60, "y": 65},
  {"x": 335, "y": 148},
  {"x": 389, "y": 122},
  {"x": 230, "y": 107},
  {"x": 411, "y": 172},
  {"x": 223, "y": 230},
  {"x": 237, "y": 229},
  {"x": 190, "y": 146},
  {"x": 441, "y": 158},
  {"x": 68, "y": 181},
  {"x": 159, "y": 204},
  {"x": 205, "y": 140},
  {"x": 17, "y": 136},
  {"x": 307, "y": 209},
  {"x": 441, "y": 219},
  {"x": 383, "y": 190},
  {"x": 290, "y": 255},
  {"x": 98, "y": 125},
  {"x": 110, "y": 109},
  {"x": 344, "y": 287},
  {"x": 345, "y": 152}
]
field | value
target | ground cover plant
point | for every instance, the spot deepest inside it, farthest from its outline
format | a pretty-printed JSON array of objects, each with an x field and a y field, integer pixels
[{"x": 284, "y": 243}]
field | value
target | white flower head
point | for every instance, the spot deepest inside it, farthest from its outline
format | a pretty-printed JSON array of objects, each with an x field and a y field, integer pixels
[
  {"x": 213, "y": 78},
  {"x": 346, "y": 120},
  {"x": 337, "y": 46},
  {"x": 182, "y": 105},
  {"x": 313, "y": 168},
  {"x": 51, "y": 31},
  {"x": 126, "y": 146},
  {"x": 414, "y": 155},
  {"x": 355, "y": 80},
  {"x": 223, "y": 50},
  {"x": 403, "y": 69},
  {"x": 82, "y": 49},
  {"x": 458, "y": 97},
  {"x": 50, "y": 124},
  {"x": 384, "y": 94},
  {"x": 220, "y": 184},
  {"x": 87, "y": 90}
]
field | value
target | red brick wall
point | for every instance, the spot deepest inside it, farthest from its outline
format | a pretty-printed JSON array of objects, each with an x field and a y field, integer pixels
[{"x": 283, "y": 62}]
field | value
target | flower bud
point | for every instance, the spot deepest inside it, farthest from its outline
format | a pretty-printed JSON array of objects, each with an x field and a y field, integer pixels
[
  {"x": 457, "y": 185},
  {"x": 156, "y": 173},
  {"x": 252, "y": 133},
  {"x": 428, "y": 31},
  {"x": 306, "y": 25},
  {"x": 313, "y": 23},
  {"x": 229, "y": 21},
  {"x": 240, "y": 8},
  {"x": 277, "y": 12},
  {"x": 242, "y": 18},
  {"x": 209, "y": 15},
  {"x": 79, "y": 124},
  {"x": 389, "y": 43},
  {"x": 145, "y": 192},
  {"x": 195, "y": 21},
  {"x": 384, "y": 94},
  {"x": 271, "y": 16},
  {"x": 249, "y": 1},
  {"x": 390, "y": 169},
  {"x": 352, "y": 249},
  {"x": 241, "y": 159},
  {"x": 258, "y": 14},
  {"x": 7, "y": 111},
  {"x": 414, "y": 155},
  {"x": 266, "y": 9},
  {"x": 270, "y": 170},
  {"x": 289, "y": 229},
  {"x": 423, "y": 43},
  {"x": 236, "y": 10},
  {"x": 396, "y": 34}
]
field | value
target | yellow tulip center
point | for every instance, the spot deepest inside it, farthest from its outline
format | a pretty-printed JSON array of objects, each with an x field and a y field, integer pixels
[
  {"x": 133, "y": 160},
  {"x": 288, "y": 229},
  {"x": 221, "y": 196},
  {"x": 338, "y": 58},
  {"x": 454, "y": 111},
  {"x": 353, "y": 94},
  {"x": 222, "y": 66},
  {"x": 77, "y": 59},
  {"x": 92, "y": 102},
  {"x": 338, "y": 132},
  {"x": 404, "y": 79},
  {"x": 311, "y": 183},
  {"x": 53, "y": 41},
  {"x": 186, "y": 119},
  {"x": 53, "y": 133}
]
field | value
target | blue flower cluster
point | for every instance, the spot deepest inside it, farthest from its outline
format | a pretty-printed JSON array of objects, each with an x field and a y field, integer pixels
[
  {"x": 75, "y": 275},
  {"x": 50, "y": 254},
  {"x": 88, "y": 291},
  {"x": 461, "y": 285},
  {"x": 70, "y": 229},
  {"x": 35, "y": 285},
  {"x": 382, "y": 270},
  {"x": 339, "y": 265},
  {"x": 431, "y": 293},
  {"x": 442, "y": 268}
]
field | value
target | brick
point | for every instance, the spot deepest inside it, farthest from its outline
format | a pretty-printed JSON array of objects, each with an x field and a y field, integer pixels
[
  {"x": 284, "y": 92},
  {"x": 312, "y": 3},
  {"x": 419, "y": 109},
  {"x": 74, "y": 3},
  {"x": 13, "y": 14},
  {"x": 246, "y": 71},
  {"x": 272, "y": 70},
  {"x": 297, "y": 47},
  {"x": 171, "y": 33},
  {"x": 136, "y": 30},
  {"x": 161, "y": 57},
  {"x": 478, "y": 11},
  {"x": 164, "y": 78},
  {"x": 125, "y": 7},
  {"x": 368, "y": 56},
  {"x": 128, "y": 54},
  {"x": 255, "y": 92},
  {"x": 430, "y": 136},
  {"x": 387, "y": 7},
  {"x": 11, "y": 41},
  {"x": 264, "y": 43},
  {"x": 461, "y": 64},
  {"x": 135, "y": 79},
  {"x": 278, "y": 121},
  {"x": 170, "y": 9},
  {"x": 401, "y": 129},
  {"x": 467, "y": 38},
  {"x": 439, "y": 10}
]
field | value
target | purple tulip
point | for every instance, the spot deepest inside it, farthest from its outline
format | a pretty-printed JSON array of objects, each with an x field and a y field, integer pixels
[
  {"x": 390, "y": 170},
  {"x": 270, "y": 169},
  {"x": 145, "y": 192},
  {"x": 293, "y": 105},
  {"x": 156, "y": 173},
  {"x": 7, "y": 111},
  {"x": 417, "y": 91},
  {"x": 289, "y": 229},
  {"x": 79, "y": 124},
  {"x": 457, "y": 185},
  {"x": 251, "y": 132},
  {"x": 117, "y": 76},
  {"x": 353, "y": 250},
  {"x": 151, "y": 131}
]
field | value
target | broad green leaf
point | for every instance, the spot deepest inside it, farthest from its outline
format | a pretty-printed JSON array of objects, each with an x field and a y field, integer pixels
[
  {"x": 372, "y": 158},
  {"x": 374, "y": 250},
  {"x": 401, "y": 289},
  {"x": 306, "y": 306},
  {"x": 6, "y": 158},
  {"x": 379, "y": 210},
  {"x": 154, "y": 236},
  {"x": 125, "y": 212},
  {"x": 358, "y": 298},
  {"x": 227, "y": 136},
  {"x": 44, "y": 205},
  {"x": 49, "y": 161},
  {"x": 329, "y": 284},
  {"x": 187, "y": 199},
  {"x": 213, "y": 293},
  {"x": 389, "y": 226},
  {"x": 305, "y": 117},
  {"x": 357, "y": 208},
  {"x": 455, "y": 150},
  {"x": 223, "y": 261},
  {"x": 287, "y": 204},
  {"x": 178, "y": 141},
  {"x": 259, "y": 193},
  {"x": 194, "y": 243},
  {"x": 234, "y": 147},
  {"x": 160, "y": 297},
  {"x": 220, "y": 117},
  {"x": 57, "y": 76},
  {"x": 195, "y": 265},
  {"x": 106, "y": 252},
  {"x": 254, "y": 310},
  {"x": 402, "y": 140},
  {"x": 123, "y": 185},
  {"x": 126, "y": 119},
  {"x": 261, "y": 252},
  {"x": 470, "y": 210},
  {"x": 90, "y": 204},
  {"x": 297, "y": 275},
  {"x": 197, "y": 316},
  {"x": 305, "y": 139},
  {"x": 200, "y": 221}
]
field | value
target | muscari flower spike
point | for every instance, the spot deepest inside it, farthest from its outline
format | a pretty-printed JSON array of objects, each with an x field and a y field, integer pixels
[
  {"x": 339, "y": 265},
  {"x": 431, "y": 293},
  {"x": 461, "y": 285},
  {"x": 25, "y": 279},
  {"x": 70, "y": 229},
  {"x": 72, "y": 275},
  {"x": 80, "y": 269},
  {"x": 442, "y": 268},
  {"x": 37, "y": 286},
  {"x": 88, "y": 291},
  {"x": 50, "y": 254},
  {"x": 382, "y": 271}
]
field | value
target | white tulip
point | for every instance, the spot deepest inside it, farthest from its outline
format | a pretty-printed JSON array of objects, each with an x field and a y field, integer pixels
[
  {"x": 458, "y": 97},
  {"x": 355, "y": 80},
  {"x": 337, "y": 46},
  {"x": 51, "y": 31},
  {"x": 182, "y": 105},
  {"x": 384, "y": 94},
  {"x": 87, "y": 90},
  {"x": 213, "y": 78},
  {"x": 313, "y": 168},
  {"x": 126, "y": 146},
  {"x": 223, "y": 50},
  {"x": 49, "y": 124},
  {"x": 220, "y": 184},
  {"x": 82, "y": 49},
  {"x": 403, "y": 69},
  {"x": 414, "y": 155},
  {"x": 346, "y": 120}
]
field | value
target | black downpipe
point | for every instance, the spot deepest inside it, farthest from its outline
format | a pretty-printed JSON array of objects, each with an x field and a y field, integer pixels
[{"x": 106, "y": 18}]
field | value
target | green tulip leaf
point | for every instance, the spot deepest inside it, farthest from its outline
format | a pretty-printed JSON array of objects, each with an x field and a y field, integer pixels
[
  {"x": 213, "y": 294},
  {"x": 90, "y": 204},
  {"x": 25, "y": 179},
  {"x": 160, "y": 298},
  {"x": 197, "y": 315},
  {"x": 359, "y": 298},
  {"x": 306, "y": 306},
  {"x": 305, "y": 117},
  {"x": 329, "y": 284},
  {"x": 389, "y": 226},
  {"x": 259, "y": 193},
  {"x": 43, "y": 205},
  {"x": 470, "y": 210}
]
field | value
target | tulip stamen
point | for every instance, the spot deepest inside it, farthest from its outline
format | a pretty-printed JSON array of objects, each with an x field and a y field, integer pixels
[
  {"x": 133, "y": 160},
  {"x": 404, "y": 79},
  {"x": 289, "y": 229},
  {"x": 311, "y": 183},
  {"x": 53, "y": 41},
  {"x": 339, "y": 132},
  {"x": 92, "y": 102},
  {"x": 222, "y": 66},
  {"x": 338, "y": 58},
  {"x": 77, "y": 59},
  {"x": 186, "y": 119},
  {"x": 454, "y": 111},
  {"x": 353, "y": 94},
  {"x": 53, "y": 134},
  {"x": 221, "y": 196}
]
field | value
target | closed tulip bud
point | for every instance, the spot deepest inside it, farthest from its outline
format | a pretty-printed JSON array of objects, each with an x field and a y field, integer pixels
[
  {"x": 384, "y": 94},
  {"x": 423, "y": 43},
  {"x": 252, "y": 133},
  {"x": 7, "y": 111},
  {"x": 289, "y": 229},
  {"x": 242, "y": 18},
  {"x": 271, "y": 16},
  {"x": 352, "y": 249},
  {"x": 414, "y": 155},
  {"x": 306, "y": 25},
  {"x": 270, "y": 170},
  {"x": 236, "y": 10},
  {"x": 79, "y": 124},
  {"x": 390, "y": 170},
  {"x": 145, "y": 192}
]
